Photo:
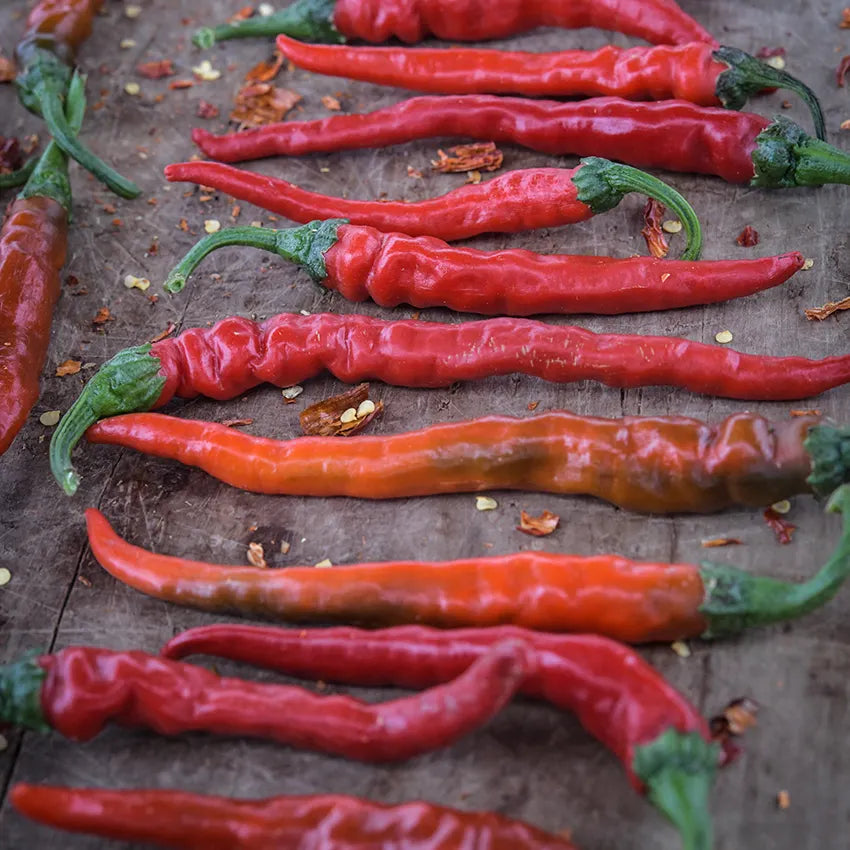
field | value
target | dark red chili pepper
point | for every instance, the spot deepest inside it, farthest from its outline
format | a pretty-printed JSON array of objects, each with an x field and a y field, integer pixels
[
  {"x": 738, "y": 146},
  {"x": 392, "y": 268},
  {"x": 698, "y": 72},
  {"x": 33, "y": 242},
  {"x": 78, "y": 690},
  {"x": 45, "y": 56},
  {"x": 511, "y": 202},
  {"x": 329, "y": 822},
  {"x": 659, "y": 21},
  {"x": 236, "y": 354}
]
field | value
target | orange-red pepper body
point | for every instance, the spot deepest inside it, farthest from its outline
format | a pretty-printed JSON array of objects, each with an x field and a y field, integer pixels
[
  {"x": 68, "y": 23},
  {"x": 33, "y": 243}
]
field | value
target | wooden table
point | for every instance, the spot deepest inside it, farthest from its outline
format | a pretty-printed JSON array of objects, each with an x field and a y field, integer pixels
[{"x": 531, "y": 762}]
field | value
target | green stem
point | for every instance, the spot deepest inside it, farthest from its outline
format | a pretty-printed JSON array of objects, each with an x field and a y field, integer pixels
[
  {"x": 829, "y": 448},
  {"x": 307, "y": 20},
  {"x": 20, "y": 176},
  {"x": 20, "y": 693},
  {"x": 678, "y": 769},
  {"x": 785, "y": 156},
  {"x": 735, "y": 600},
  {"x": 305, "y": 245},
  {"x": 747, "y": 76},
  {"x": 130, "y": 381},
  {"x": 603, "y": 184}
]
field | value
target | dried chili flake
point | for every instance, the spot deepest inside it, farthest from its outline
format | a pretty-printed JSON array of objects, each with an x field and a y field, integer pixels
[
  {"x": 809, "y": 411},
  {"x": 481, "y": 156},
  {"x": 341, "y": 415},
  {"x": 72, "y": 280},
  {"x": 821, "y": 313},
  {"x": 163, "y": 334},
  {"x": 715, "y": 542},
  {"x": 174, "y": 85},
  {"x": 652, "y": 232},
  {"x": 243, "y": 14},
  {"x": 748, "y": 237},
  {"x": 10, "y": 154},
  {"x": 331, "y": 103},
  {"x": 102, "y": 316},
  {"x": 68, "y": 367},
  {"x": 262, "y": 103},
  {"x": 532, "y": 405},
  {"x": 265, "y": 72},
  {"x": 230, "y": 423},
  {"x": 413, "y": 172},
  {"x": 767, "y": 52},
  {"x": 735, "y": 719},
  {"x": 156, "y": 70},
  {"x": 206, "y": 109},
  {"x": 109, "y": 208},
  {"x": 841, "y": 71},
  {"x": 256, "y": 555},
  {"x": 845, "y": 18},
  {"x": 783, "y": 800},
  {"x": 783, "y": 529},
  {"x": 184, "y": 225},
  {"x": 538, "y": 526},
  {"x": 8, "y": 72}
]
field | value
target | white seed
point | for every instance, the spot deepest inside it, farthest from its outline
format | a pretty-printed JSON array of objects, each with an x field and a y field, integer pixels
[
  {"x": 206, "y": 71},
  {"x": 723, "y": 337},
  {"x": 133, "y": 89},
  {"x": 485, "y": 503},
  {"x": 808, "y": 264},
  {"x": 777, "y": 62},
  {"x": 132, "y": 11},
  {"x": 782, "y": 506},
  {"x": 324, "y": 563},
  {"x": 292, "y": 392},
  {"x": 265, "y": 9},
  {"x": 349, "y": 415},
  {"x": 672, "y": 226},
  {"x": 681, "y": 649},
  {"x": 127, "y": 43},
  {"x": 131, "y": 282},
  {"x": 50, "y": 418},
  {"x": 365, "y": 408},
  {"x": 212, "y": 225},
  {"x": 5, "y": 576}
]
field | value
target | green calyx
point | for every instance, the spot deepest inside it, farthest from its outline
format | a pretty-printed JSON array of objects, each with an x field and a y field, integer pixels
[
  {"x": 130, "y": 381},
  {"x": 735, "y": 600},
  {"x": 602, "y": 184},
  {"x": 829, "y": 448},
  {"x": 678, "y": 770},
  {"x": 785, "y": 156},
  {"x": 20, "y": 694},
  {"x": 747, "y": 76},
  {"x": 305, "y": 245},
  {"x": 307, "y": 20},
  {"x": 43, "y": 87}
]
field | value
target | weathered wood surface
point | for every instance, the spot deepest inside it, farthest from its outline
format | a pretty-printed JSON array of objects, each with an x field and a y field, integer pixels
[{"x": 531, "y": 762}]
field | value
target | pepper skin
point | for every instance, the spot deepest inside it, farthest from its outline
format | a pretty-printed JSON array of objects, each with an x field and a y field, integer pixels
[
  {"x": 78, "y": 690},
  {"x": 658, "y": 21},
  {"x": 331, "y": 822},
  {"x": 740, "y": 147},
  {"x": 64, "y": 24},
  {"x": 237, "y": 354},
  {"x": 392, "y": 269},
  {"x": 637, "y": 602},
  {"x": 512, "y": 202},
  {"x": 698, "y": 72}
]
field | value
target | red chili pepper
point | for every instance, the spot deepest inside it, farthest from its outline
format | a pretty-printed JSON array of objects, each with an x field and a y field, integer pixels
[
  {"x": 392, "y": 269},
  {"x": 236, "y": 354},
  {"x": 738, "y": 146},
  {"x": 699, "y": 72},
  {"x": 78, "y": 690},
  {"x": 62, "y": 24},
  {"x": 329, "y": 822},
  {"x": 511, "y": 202},
  {"x": 660, "y": 21}
]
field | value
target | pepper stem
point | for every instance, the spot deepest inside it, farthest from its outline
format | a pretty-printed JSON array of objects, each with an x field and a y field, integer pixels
[
  {"x": 678, "y": 769},
  {"x": 736, "y": 600},
  {"x": 305, "y": 245},
  {"x": 829, "y": 449},
  {"x": 307, "y": 20},
  {"x": 747, "y": 76},
  {"x": 130, "y": 381},
  {"x": 602, "y": 184},
  {"x": 20, "y": 176},
  {"x": 20, "y": 693}
]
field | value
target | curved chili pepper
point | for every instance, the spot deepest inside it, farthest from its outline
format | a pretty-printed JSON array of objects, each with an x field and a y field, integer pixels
[
  {"x": 698, "y": 72},
  {"x": 45, "y": 56},
  {"x": 512, "y": 202},
  {"x": 393, "y": 268},
  {"x": 632, "y": 601},
  {"x": 659, "y": 21},
  {"x": 330, "y": 822},
  {"x": 78, "y": 690},
  {"x": 738, "y": 146},
  {"x": 654, "y": 464},
  {"x": 236, "y": 354},
  {"x": 33, "y": 242}
]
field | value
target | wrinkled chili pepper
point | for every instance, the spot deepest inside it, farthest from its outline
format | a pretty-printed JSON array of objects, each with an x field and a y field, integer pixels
[
  {"x": 331, "y": 822},
  {"x": 45, "y": 57},
  {"x": 656, "y": 464},
  {"x": 698, "y": 72},
  {"x": 512, "y": 202},
  {"x": 236, "y": 354},
  {"x": 393, "y": 268},
  {"x": 33, "y": 243},
  {"x": 632, "y": 601},
  {"x": 78, "y": 690},
  {"x": 658, "y": 21},
  {"x": 738, "y": 146}
]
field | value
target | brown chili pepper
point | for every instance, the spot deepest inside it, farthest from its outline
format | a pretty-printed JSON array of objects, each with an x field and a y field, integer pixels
[{"x": 330, "y": 822}]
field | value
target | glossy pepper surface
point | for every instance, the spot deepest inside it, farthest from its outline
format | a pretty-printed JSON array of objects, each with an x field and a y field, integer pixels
[
  {"x": 78, "y": 690},
  {"x": 236, "y": 354},
  {"x": 740, "y": 147},
  {"x": 333, "y": 822},
  {"x": 392, "y": 268},
  {"x": 512, "y": 202},
  {"x": 659, "y": 21},
  {"x": 700, "y": 73}
]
